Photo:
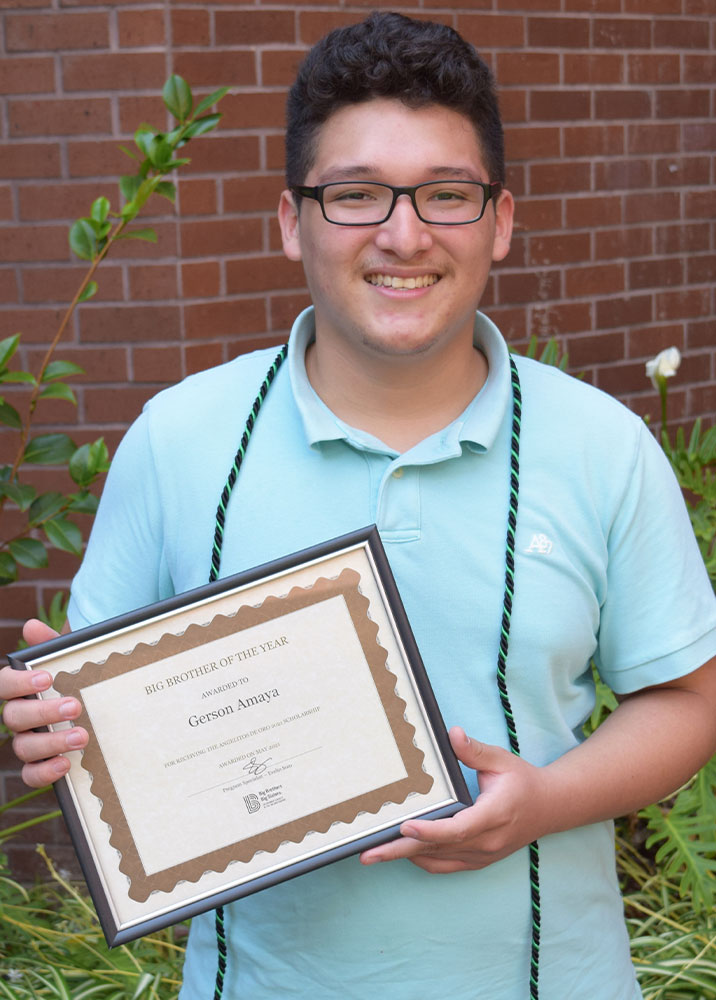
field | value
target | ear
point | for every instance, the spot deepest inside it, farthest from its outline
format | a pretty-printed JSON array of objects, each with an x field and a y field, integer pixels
[
  {"x": 288, "y": 221},
  {"x": 504, "y": 215}
]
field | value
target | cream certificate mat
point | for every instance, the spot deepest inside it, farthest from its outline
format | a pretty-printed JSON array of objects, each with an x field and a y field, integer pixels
[{"x": 245, "y": 733}]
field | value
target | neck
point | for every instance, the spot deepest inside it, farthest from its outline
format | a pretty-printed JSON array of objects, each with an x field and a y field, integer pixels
[{"x": 400, "y": 400}]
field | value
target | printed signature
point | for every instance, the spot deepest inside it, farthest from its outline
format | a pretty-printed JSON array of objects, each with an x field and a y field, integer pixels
[{"x": 257, "y": 767}]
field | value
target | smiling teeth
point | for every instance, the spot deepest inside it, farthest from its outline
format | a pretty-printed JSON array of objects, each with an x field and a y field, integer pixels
[{"x": 389, "y": 281}]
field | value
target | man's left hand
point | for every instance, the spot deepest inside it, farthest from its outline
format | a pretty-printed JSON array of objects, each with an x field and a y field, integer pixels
[{"x": 510, "y": 812}]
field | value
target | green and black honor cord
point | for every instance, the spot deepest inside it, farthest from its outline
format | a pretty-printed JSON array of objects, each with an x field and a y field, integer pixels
[{"x": 501, "y": 657}]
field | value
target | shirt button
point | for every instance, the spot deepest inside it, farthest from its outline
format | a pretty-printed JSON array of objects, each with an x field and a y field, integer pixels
[{"x": 398, "y": 473}]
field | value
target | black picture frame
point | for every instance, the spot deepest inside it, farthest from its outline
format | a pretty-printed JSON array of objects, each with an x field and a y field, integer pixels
[{"x": 401, "y": 680}]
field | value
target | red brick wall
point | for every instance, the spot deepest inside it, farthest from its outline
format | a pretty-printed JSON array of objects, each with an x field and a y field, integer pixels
[{"x": 609, "y": 109}]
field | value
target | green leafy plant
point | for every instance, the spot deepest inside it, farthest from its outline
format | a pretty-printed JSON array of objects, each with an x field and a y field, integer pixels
[
  {"x": 551, "y": 354},
  {"x": 52, "y": 946},
  {"x": 31, "y": 520},
  {"x": 682, "y": 830},
  {"x": 685, "y": 830},
  {"x": 694, "y": 463},
  {"x": 673, "y": 947}
]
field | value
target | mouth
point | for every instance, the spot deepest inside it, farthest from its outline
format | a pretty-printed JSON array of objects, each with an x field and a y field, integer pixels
[{"x": 393, "y": 281}]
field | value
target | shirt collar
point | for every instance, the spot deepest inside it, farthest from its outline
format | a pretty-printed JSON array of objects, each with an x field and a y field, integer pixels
[{"x": 477, "y": 426}]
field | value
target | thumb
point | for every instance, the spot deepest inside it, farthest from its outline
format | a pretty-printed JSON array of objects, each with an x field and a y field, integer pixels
[
  {"x": 476, "y": 755},
  {"x": 35, "y": 631}
]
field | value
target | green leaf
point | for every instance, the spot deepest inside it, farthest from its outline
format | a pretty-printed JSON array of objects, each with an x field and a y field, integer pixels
[
  {"x": 202, "y": 125},
  {"x": 167, "y": 190},
  {"x": 214, "y": 98},
  {"x": 89, "y": 291},
  {"x": 694, "y": 439},
  {"x": 129, "y": 184},
  {"x": 89, "y": 461},
  {"x": 175, "y": 163},
  {"x": 84, "y": 502},
  {"x": 177, "y": 97},
  {"x": 144, "y": 137},
  {"x": 8, "y": 346},
  {"x": 49, "y": 449},
  {"x": 139, "y": 234},
  {"x": 61, "y": 369},
  {"x": 129, "y": 152},
  {"x": 83, "y": 239},
  {"x": 21, "y": 494},
  {"x": 59, "y": 390},
  {"x": 175, "y": 134},
  {"x": 8, "y": 568},
  {"x": 129, "y": 212},
  {"x": 18, "y": 376},
  {"x": 160, "y": 152},
  {"x": 64, "y": 535},
  {"x": 145, "y": 981},
  {"x": 9, "y": 416},
  {"x": 56, "y": 614},
  {"x": 29, "y": 552},
  {"x": 46, "y": 506},
  {"x": 100, "y": 209}
]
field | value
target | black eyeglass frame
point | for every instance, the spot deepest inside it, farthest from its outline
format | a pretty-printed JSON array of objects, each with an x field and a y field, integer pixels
[{"x": 490, "y": 190}]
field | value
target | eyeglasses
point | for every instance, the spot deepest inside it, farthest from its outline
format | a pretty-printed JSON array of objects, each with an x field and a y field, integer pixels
[{"x": 368, "y": 203}]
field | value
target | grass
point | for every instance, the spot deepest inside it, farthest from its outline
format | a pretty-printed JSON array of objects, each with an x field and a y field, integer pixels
[
  {"x": 673, "y": 946},
  {"x": 52, "y": 946}
]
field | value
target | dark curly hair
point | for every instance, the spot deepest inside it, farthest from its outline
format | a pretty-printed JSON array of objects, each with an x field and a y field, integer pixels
[{"x": 390, "y": 55}]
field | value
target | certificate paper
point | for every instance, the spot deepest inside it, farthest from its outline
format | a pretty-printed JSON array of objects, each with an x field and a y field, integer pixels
[{"x": 247, "y": 732}]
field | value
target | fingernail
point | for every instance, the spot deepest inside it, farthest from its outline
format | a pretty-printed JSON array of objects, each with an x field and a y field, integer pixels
[
  {"x": 68, "y": 708},
  {"x": 75, "y": 739},
  {"x": 61, "y": 766},
  {"x": 41, "y": 680},
  {"x": 410, "y": 831}
]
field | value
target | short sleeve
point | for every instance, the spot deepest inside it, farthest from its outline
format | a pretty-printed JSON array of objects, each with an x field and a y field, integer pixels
[
  {"x": 658, "y": 620},
  {"x": 124, "y": 566}
]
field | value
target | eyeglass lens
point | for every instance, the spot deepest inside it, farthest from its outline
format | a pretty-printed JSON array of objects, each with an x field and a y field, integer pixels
[{"x": 367, "y": 202}]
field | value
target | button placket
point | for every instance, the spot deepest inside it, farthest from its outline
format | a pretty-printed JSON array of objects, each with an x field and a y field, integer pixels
[{"x": 399, "y": 504}]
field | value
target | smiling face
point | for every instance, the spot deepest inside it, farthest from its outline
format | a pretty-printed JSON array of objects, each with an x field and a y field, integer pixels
[{"x": 404, "y": 287}]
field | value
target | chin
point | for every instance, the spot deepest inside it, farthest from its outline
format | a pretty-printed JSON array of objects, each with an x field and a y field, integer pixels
[{"x": 397, "y": 345}]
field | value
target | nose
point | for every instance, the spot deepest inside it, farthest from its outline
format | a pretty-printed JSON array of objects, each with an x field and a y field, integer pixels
[{"x": 403, "y": 233}]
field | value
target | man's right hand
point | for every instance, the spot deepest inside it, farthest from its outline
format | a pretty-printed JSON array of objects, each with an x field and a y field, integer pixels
[{"x": 39, "y": 752}]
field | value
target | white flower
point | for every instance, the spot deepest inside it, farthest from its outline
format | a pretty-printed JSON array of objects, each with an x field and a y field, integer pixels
[{"x": 664, "y": 365}]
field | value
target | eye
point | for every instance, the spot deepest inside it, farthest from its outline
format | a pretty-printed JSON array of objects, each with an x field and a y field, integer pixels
[
  {"x": 349, "y": 194},
  {"x": 448, "y": 194}
]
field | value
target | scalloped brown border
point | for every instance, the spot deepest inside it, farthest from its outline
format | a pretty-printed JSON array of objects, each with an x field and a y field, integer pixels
[{"x": 417, "y": 780}]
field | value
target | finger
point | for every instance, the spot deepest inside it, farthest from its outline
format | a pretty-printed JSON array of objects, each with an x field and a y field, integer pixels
[
  {"x": 18, "y": 683},
  {"x": 440, "y": 866},
  {"x": 476, "y": 755},
  {"x": 393, "y": 851},
  {"x": 46, "y": 772},
  {"x": 21, "y": 714},
  {"x": 455, "y": 830},
  {"x": 33, "y": 747},
  {"x": 35, "y": 631}
]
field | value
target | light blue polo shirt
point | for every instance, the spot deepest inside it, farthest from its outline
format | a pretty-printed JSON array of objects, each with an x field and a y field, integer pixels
[{"x": 606, "y": 567}]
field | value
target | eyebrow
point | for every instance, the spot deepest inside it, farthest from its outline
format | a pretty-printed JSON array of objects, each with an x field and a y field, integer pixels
[{"x": 358, "y": 170}]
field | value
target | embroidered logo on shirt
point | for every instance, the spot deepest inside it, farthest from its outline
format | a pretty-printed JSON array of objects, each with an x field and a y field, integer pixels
[{"x": 541, "y": 544}]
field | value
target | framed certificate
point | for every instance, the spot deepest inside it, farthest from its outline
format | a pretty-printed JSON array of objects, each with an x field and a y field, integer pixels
[{"x": 246, "y": 732}]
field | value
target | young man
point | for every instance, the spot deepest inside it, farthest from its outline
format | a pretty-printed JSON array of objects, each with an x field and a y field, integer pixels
[{"x": 397, "y": 405}]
